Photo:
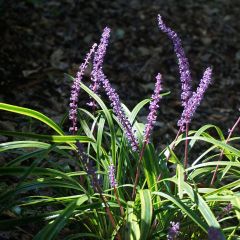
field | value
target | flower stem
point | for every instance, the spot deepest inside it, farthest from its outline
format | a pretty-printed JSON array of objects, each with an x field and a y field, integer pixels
[
  {"x": 186, "y": 151},
  {"x": 171, "y": 148},
  {"x": 107, "y": 208},
  {"x": 138, "y": 169},
  {"x": 118, "y": 201},
  {"x": 221, "y": 154},
  {"x": 91, "y": 173}
]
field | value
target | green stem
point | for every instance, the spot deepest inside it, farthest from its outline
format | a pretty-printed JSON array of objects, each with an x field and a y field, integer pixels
[
  {"x": 118, "y": 201},
  {"x": 138, "y": 169},
  {"x": 222, "y": 152},
  {"x": 186, "y": 151}
]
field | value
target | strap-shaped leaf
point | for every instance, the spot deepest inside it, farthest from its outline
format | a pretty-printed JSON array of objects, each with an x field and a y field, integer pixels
[
  {"x": 27, "y": 144},
  {"x": 32, "y": 113},
  {"x": 133, "y": 230},
  {"x": 146, "y": 212},
  {"x": 51, "y": 138},
  {"x": 201, "y": 204},
  {"x": 185, "y": 209},
  {"x": 53, "y": 228}
]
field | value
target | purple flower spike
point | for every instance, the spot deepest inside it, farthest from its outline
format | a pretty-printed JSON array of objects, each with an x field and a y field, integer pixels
[
  {"x": 228, "y": 208},
  {"x": 118, "y": 110},
  {"x": 75, "y": 92},
  {"x": 173, "y": 231},
  {"x": 152, "y": 116},
  {"x": 195, "y": 100},
  {"x": 101, "y": 50},
  {"x": 98, "y": 62},
  {"x": 111, "y": 174},
  {"x": 185, "y": 75}
]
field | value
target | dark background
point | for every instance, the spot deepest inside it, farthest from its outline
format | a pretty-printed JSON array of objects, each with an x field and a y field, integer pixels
[{"x": 41, "y": 40}]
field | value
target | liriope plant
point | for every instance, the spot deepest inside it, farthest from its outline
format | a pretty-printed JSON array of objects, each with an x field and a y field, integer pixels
[{"x": 104, "y": 178}]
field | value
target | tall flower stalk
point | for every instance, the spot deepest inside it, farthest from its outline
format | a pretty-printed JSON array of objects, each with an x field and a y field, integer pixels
[
  {"x": 99, "y": 79},
  {"x": 75, "y": 91},
  {"x": 151, "y": 119},
  {"x": 118, "y": 110},
  {"x": 185, "y": 75},
  {"x": 183, "y": 64},
  {"x": 113, "y": 184},
  {"x": 190, "y": 100},
  {"x": 111, "y": 175},
  {"x": 91, "y": 173},
  {"x": 152, "y": 116},
  {"x": 191, "y": 107},
  {"x": 195, "y": 100},
  {"x": 98, "y": 63}
]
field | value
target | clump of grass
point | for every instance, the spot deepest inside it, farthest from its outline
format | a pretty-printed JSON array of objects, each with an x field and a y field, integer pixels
[{"x": 107, "y": 180}]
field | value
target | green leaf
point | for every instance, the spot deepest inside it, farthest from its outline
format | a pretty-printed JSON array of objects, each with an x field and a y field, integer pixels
[
  {"x": 32, "y": 113},
  {"x": 146, "y": 212},
  {"x": 38, "y": 171},
  {"x": 51, "y": 138},
  {"x": 22, "y": 144},
  {"x": 108, "y": 117},
  {"x": 184, "y": 209},
  {"x": 132, "y": 228},
  {"x": 215, "y": 142},
  {"x": 220, "y": 163},
  {"x": 149, "y": 166},
  {"x": 224, "y": 188},
  {"x": 100, "y": 131},
  {"x": 140, "y": 105},
  {"x": 26, "y": 156},
  {"x": 201, "y": 204},
  {"x": 9, "y": 223},
  {"x": 83, "y": 236},
  {"x": 203, "y": 129},
  {"x": 29, "y": 144},
  {"x": 180, "y": 179},
  {"x": 53, "y": 228}
]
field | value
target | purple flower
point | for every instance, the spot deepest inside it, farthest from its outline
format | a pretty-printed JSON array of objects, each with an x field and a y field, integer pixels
[
  {"x": 118, "y": 110},
  {"x": 195, "y": 99},
  {"x": 98, "y": 62},
  {"x": 81, "y": 153},
  {"x": 215, "y": 234},
  {"x": 185, "y": 75},
  {"x": 99, "y": 78},
  {"x": 228, "y": 208},
  {"x": 111, "y": 175},
  {"x": 75, "y": 92},
  {"x": 87, "y": 165},
  {"x": 173, "y": 231},
  {"x": 152, "y": 116}
]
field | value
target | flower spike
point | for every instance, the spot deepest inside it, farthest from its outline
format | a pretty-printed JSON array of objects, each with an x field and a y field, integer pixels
[
  {"x": 75, "y": 91},
  {"x": 183, "y": 64},
  {"x": 152, "y": 116},
  {"x": 196, "y": 99}
]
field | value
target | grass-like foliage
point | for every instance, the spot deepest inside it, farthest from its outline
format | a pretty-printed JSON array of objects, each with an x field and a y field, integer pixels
[{"x": 107, "y": 180}]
